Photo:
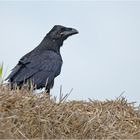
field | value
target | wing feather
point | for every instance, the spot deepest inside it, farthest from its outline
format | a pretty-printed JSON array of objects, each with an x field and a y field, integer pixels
[{"x": 39, "y": 68}]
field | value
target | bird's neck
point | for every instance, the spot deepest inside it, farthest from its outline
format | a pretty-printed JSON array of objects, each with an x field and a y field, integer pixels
[{"x": 50, "y": 44}]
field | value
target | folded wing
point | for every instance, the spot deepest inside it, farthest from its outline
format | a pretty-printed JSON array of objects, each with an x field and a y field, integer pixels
[{"x": 37, "y": 69}]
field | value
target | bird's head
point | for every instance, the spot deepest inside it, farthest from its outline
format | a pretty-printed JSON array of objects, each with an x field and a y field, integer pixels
[{"x": 59, "y": 32}]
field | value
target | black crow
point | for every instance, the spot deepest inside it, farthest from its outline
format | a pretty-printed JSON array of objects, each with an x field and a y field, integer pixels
[{"x": 40, "y": 66}]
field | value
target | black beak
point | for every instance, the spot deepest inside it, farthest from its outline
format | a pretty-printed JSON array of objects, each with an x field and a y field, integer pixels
[{"x": 69, "y": 32}]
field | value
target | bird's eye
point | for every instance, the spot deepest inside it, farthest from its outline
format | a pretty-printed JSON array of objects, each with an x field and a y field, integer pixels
[{"x": 62, "y": 29}]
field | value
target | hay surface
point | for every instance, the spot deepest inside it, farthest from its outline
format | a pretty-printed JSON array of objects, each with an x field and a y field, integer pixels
[{"x": 24, "y": 115}]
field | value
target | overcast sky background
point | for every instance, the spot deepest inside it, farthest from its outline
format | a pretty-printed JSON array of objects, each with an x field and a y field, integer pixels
[{"x": 101, "y": 62}]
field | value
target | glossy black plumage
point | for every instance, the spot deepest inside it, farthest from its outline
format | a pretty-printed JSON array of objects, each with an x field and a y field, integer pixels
[{"x": 40, "y": 66}]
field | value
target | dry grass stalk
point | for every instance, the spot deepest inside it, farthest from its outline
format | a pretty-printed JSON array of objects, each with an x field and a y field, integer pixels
[{"x": 24, "y": 115}]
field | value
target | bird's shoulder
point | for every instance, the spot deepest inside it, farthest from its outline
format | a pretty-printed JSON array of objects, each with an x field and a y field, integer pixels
[{"x": 37, "y": 55}]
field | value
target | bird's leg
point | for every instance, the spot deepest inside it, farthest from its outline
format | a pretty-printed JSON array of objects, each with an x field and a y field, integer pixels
[{"x": 47, "y": 91}]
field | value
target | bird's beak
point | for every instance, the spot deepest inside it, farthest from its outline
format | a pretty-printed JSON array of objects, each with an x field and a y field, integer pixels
[{"x": 69, "y": 32}]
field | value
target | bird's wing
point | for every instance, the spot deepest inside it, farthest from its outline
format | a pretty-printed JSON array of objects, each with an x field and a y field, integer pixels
[
  {"x": 44, "y": 62},
  {"x": 47, "y": 73},
  {"x": 24, "y": 60}
]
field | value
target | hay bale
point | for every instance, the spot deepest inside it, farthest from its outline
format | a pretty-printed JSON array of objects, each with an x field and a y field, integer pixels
[{"x": 24, "y": 115}]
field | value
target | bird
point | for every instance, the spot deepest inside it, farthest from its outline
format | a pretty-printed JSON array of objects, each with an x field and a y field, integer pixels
[{"x": 43, "y": 64}]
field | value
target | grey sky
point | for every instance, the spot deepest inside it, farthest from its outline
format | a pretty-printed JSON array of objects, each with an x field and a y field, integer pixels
[{"x": 99, "y": 63}]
